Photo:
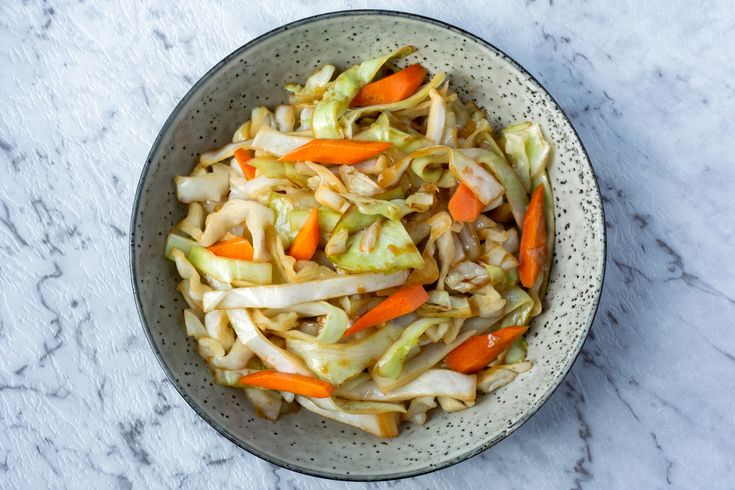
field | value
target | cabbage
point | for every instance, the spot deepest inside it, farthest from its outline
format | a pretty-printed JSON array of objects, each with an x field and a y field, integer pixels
[
  {"x": 209, "y": 348},
  {"x": 258, "y": 188},
  {"x": 191, "y": 287},
  {"x": 335, "y": 319},
  {"x": 336, "y": 99},
  {"x": 487, "y": 302},
  {"x": 228, "y": 270},
  {"x": 429, "y": 168},
  {"x": 357, "y": 182},
  {"x": 437, "y": 119},
  {"x": 276, "y": 143},
  {"x": 338, "y": 362},
  {"x": 212, "y": 186},
  {"x": 277, "y": 170},
  {"x": 242, "y": 133},
  {"x": 285, "y": 118},
  {"x": 517, "y": 351},
  {"x": 194, "y": 326},
  {"x": 449, "y": 404},
  {"x": 442, "y": 305},
  {"x": 218, "y": 328},
  {"x": 467, "y": 276},
  {"x": 235, "y": 212},
  {"x": 314, "y": 88},
  {"x": 237, "y": 358},
  {"x": 518, "y": 306},
  {"x": 429, "y": 357},
  {"x": 494, "y": 160},
  {"x": 280, "y": 322},
  {"x": 434, "y": 382},
  {"x": 381, "y": 130},
  {"x": 331, "y": 199},
  {"x": 177, "y": 241},
  {"x": 284, "y": 295},
  {"x": 370, "y": 407},
  {"x": 500, "y": 375},
  {"x": 393, "y": 251},
  {"x": 391, "y": 363},
  {"x": 194, "y": 222},
  {"x": 417, "y": 410},
  {"x": 211, "y": 157},
  {"x": 381, "y": 425},
  {"x": 474, "y": 176},
  {"x": 271, "y": 355},
  {"x": 527, "y": 150},
  {"x": 268, "y": 404}
]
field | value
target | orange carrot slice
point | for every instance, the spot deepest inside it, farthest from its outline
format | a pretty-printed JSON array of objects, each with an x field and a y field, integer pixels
[
  {"x": 234, "y": 248},
  {"x": 404, "y": 301},
  {"x": 476, "y": 352},
  {"x": 345, "y": 152},
  {"x": 293, "y": 383},
  {"x": 307, "y": 239},
  {"x": 392, "y": 88},
  {"x": 532, "y": 252},
  {"x": 464, "y": 204},
  {"x": 242, "y": 157}
]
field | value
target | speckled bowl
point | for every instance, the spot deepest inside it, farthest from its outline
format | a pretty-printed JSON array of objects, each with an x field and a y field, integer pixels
[{"x": 254, "y": 75}]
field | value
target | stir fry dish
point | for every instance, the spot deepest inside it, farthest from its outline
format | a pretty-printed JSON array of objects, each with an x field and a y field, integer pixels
[{"x": 368, "y": 251}]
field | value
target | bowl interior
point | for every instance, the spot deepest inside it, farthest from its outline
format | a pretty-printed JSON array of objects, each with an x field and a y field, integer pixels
[{"x": 255, "y": 75}]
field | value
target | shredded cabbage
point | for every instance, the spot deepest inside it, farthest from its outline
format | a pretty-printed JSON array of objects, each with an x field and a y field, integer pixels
[{"x": 265, "y": 288}]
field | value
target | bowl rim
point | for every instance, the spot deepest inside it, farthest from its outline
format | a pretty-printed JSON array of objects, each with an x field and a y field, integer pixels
[{"x": 280, "y": 462}]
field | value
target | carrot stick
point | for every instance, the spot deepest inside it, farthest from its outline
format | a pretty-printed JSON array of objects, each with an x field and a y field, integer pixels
[
  {"x": 307, "y": 239},
  {"x": 532, "y": 254},
  {"x": 402, "y": 302},
  {"x": 392, "y": 88},
  {"x": 345, "y": 152},
  {"x": 242, "y": 157},
  {"x": 293, "y": 383},
  {"x": 234, "y": 248},
  {"x": 476, "y": 352},
  {"x": 464, "y": 205}
]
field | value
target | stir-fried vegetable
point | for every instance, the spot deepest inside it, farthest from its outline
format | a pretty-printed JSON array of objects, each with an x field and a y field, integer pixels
[{"x": 368, "y": 251}]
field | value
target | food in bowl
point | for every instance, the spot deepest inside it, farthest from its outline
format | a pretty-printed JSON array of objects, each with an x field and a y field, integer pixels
[{"x": 367, "y": 251}]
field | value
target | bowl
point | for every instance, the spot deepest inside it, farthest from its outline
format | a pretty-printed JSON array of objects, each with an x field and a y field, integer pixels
[{"x": 254, "y": 75}]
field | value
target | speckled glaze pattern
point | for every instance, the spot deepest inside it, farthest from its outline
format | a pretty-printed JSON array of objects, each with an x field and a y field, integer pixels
[{"x": 254, "y": 75}]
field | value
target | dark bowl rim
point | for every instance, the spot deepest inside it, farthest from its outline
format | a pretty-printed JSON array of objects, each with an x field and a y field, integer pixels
[{"x": 242, "y": 444}]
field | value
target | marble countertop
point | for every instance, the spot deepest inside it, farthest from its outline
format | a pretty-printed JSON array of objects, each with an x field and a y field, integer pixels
[{"x": 85, "y": 88}]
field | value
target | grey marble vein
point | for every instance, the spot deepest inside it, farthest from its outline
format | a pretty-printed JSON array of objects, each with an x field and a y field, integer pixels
[{"x": 86, "y": 85}]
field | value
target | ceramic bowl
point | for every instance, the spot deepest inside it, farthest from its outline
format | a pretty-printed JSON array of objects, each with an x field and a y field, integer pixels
[{"x": 254, "y": 75}]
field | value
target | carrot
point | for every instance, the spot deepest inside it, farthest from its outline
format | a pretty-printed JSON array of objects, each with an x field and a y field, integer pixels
[
  {"x": 464, "y": 205},
  {"x": 532, "y": 254},
  {"x": 402, "y": 302},
  {"x": 476, "y": 352},
  {"x": 242, "y": 157},
  {"x": 336, "y": 151},
  {"x": 392, "y": 88},
  {"x": 234, "y": 248},
  {"x": 293, "y": 383},
  {"x": 307, "y": 239}
]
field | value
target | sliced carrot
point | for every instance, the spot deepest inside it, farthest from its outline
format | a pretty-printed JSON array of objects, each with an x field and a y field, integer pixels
[
  {"x": 464, "y": 204},
  {"x": 242, "y": 157},
  {"x": 307, "y": 239},
  {"x": 532, "y": 252},
  {"x": 234, "y": 248},
  {"x": 476, "y": 352},
  {"x": 345, "y": 152},
  {"x": 392, "y": 88},
  {"x": 402, "y": 302},
  {"x": 293, "y": 383}
]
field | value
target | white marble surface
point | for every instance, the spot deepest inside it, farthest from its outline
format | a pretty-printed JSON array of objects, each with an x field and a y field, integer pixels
[{"x": 86, "y": 86}]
